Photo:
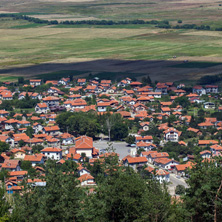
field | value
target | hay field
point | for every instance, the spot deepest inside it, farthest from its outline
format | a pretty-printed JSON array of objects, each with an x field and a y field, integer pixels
[
  {"x": 147, "y": 50},
  {"x": 190, "y": 11}
]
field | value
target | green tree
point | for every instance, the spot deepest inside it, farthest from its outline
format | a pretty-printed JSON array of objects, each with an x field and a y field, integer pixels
[
  {"x": 21, "y": 143},
  {"x": 119, "y": 131},
  {"x": 58, "y": 201},
  {"x": 4, "y": 206},
  {"x": 29, "y": 131},
  {"x": 203, "y": 198},
  {"x": 3, "y": 147},
  {"x": 130, "y": 139},
  {"x": 21, "y": 80},
  {"x": 180, "y": 189},
  {"x": 37, "y": 148},
  {"x": 125, "y": 196}
]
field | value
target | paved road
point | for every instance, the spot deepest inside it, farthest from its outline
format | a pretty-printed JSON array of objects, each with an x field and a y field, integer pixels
[
  {"x": 120, "y": 147},
  {"x": 123, "y": 150}
]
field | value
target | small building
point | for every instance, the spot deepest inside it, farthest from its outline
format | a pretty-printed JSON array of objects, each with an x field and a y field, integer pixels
[
  {"x": 171, "y": 135},
  {"x": 11, "y": 165},
  {"x": 52, "y": 153},
  {"x": 35, "y": 159},
  {"x": 41, "y": 108},
  {"x": 134, "y": 162},
  {"x": 35, "y": 82}
]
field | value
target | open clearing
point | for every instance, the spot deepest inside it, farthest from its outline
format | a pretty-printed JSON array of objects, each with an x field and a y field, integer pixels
[
  {"x": 33, "y": 51},
  {"x": 29, "y": 49},
  {"x": 190, "y": 11}
]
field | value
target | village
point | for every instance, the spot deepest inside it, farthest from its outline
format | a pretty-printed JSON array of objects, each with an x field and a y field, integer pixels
[{"x": 160, "y": 128}]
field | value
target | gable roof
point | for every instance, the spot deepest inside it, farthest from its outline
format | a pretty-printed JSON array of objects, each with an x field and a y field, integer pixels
[{"x": 84, "y": 142}]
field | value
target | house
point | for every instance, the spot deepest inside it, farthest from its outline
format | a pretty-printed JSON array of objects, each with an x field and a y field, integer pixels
[
  {"x": 135, "y": 161},
  {"x": 67, "y": 138},
  {"x": 51, "y": 130},
  {"x": 64, "y": 81},
  {"x": 211, "y": 89},
  {"x": 18, "y": 153},
  {"x": 102, "y": 106},
  {"x": 81, "y": 82},
  {"x": 7, "y": 139},
  {"x": 20, "y": 175},
  {"x": 11, "y": 124},
  {"x": 196, "y": 131},
  {"x": 23, "y": 123},
  {"x": 141, "y": 115},
  {"x": 87, "y": 180},
  {"x": 156, "y": 95},
  {"x": 36, "y": 182},
  {"x": 216, "y": 149},
  {"x": 72, "y": 155},
  {"x": 209, "y": 105},
  {"x": 11, "y": 165},
  {"x": 136, "y": 84},
  {"x": 51, "y": 100},
  {"x": 146, "y": 139},
  {"x": 35, "y": 159},
  {"x": 206, "y": 154},
  {"x": 154, "y": 155},
  {"x": 145, "y": 126},
  {"x": 161, "y": 88},
  {"x": 37, "y": 127},
  {"x": 199, "y": 90},
  {"x": 206, "y": 125},
  {"x": 171, "y": 135},
  {"x": 82, "y": 171},
  {"x": 12, "y": 187},
  {"x": 166, "y": 110},
  {"x": 55, "y": 91},
  {"x": 52, "y": 153},
  {"x": 182, "y": 168},
  {"x": 207, "y": 142},
  {"x": 139, "y": 107},
  {"x": 53, "y": 82},
  {"x": 51, "y": 141},
  {"x": 35, "y": 82},
  {"x": 6, "y": 95},
  {"x": 78, "y": 104},
  {"x": 4, "y": 113},
  {"x": 165, "y": 163},
  {"x": 42, "y": 108},
  {"x": 145, "y": 146},
  {"x": 159, "y": 174},
  {"x": 123, "y": 83},
  {"x": 84, "y": 144}
]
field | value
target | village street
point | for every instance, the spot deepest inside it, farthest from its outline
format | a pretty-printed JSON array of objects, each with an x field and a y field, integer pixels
[{"x": 123, "y": 150}]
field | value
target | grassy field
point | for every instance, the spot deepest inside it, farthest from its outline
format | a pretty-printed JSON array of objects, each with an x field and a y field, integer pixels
[
  {"x": 189, "y": 11},
  {"x": 141, "y": 50},
  {"x": 47, "y": 44},
  {"x": 28, "y": 49}
]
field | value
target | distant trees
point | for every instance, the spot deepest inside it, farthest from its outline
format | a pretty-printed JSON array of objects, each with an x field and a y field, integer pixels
[
  {"x": 210, "y": 79},
  {"x": 91, "y": 124},
  {"x": 160, "y": 24},
  {"x": 79, "y": 123},
  {"x": 146, "y": 80}
]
